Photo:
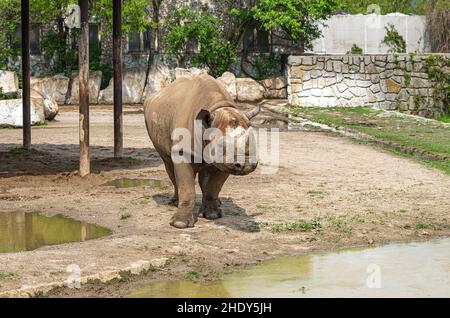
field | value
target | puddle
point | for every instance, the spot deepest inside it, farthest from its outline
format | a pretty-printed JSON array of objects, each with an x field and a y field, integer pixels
[
  {"x": 132, "y": 183},
  {"x": 402, "y": 270},
  {"x": 20, "y": 231}
]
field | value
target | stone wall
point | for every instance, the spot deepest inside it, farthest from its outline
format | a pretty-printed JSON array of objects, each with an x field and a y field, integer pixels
[{"x": 392, "y": 82}]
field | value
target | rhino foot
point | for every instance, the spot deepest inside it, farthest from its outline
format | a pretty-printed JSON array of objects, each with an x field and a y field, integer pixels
[
  {"x": 210, "y": 213},
  {"x": 182, "y": 220}
]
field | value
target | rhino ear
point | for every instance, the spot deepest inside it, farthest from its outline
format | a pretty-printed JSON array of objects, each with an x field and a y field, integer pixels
[{"x": 205, "y": 116}]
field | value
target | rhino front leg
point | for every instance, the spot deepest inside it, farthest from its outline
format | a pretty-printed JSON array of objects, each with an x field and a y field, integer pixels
[
  {"x": 185, "y": 180},
  {"x": 211, "y": 183}
]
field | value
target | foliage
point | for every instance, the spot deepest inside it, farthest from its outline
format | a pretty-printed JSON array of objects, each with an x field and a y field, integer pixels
[
  {"x": 9, "y": 18},
  {"x": 61, "y": 56},
  {"x": 134, "y": 15},
  {"x": 437, "y": 68},
  {"x": 299, "y": 19},
  {"x": 4, "y": 96},
  {"x": 96, "y": 64},
  {"x": 355, "y": 50},
  {"x": 394, "y": 40},
  {"x": 387, "y": 6},
  {"x": 216, "y": 51},
  {"x": 267, "y": 65},
  {"x": 438, "y": 22}
]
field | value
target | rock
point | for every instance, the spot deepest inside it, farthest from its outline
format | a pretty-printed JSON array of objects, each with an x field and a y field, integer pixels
[
  {"x": 55, "y": 86},
  {"x": 9, "y": 83},
  {"x": 275, "y": 87},
  {"x": 11, "y": 112},
  {"x": 158, "y": 78},
  {"x": 229, "y": 81},
  {"x": 46, "y": 103},
  {"x": 159, "y": 262},
  {"x": 132, "y": 88},
  {"x": 249, "y": 90},
  {"x": 95, "y": 80},
  {"x": 392, "y": 86}
]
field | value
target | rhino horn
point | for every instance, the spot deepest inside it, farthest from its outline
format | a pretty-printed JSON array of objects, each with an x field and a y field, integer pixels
[{"x": 252, "y": 113}]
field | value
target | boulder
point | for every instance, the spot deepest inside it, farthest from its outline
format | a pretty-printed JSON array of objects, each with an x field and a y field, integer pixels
[
  {"x": 229, "y": 81},
  {"x": 9, "y": 83},
  {"x": 95, "y": 80},
  {"x": 55, "y": 86},
  {"x": 249, "y": 90},
  {"x": 187, "y": 72},
  {"x": 132, "y": 88},
  {"x": 158, "y": 77},
  {"x": 275, "y": 87},
  {"x": 11, "y": 112},
  {"x": 46, "y": 103}
]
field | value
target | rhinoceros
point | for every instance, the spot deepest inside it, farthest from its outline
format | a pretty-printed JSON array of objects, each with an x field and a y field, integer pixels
[{"x": 178, "y": 105}]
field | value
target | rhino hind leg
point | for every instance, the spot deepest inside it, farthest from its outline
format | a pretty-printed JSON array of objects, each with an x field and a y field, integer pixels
[
  {"x": 170, "y": 171},
  {"x": 211, "y": 182}
]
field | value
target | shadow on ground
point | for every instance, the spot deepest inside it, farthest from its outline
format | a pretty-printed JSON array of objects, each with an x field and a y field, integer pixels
[
  {"x": 48, "y": 159},
  {"x": 235, "y": 216}
]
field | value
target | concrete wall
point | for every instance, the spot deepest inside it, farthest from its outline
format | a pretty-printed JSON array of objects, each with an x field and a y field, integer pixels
[
  {"x": 384, "y": 81},
  {"x": 368, "y": 31}
]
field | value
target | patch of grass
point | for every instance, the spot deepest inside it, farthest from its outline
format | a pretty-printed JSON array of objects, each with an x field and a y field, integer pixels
[
  {"x": 297, "y": 226},
  {"x": 427, "y": 141},
  {"x": 339, "y": 224},
  {"x": 125, "y": 216},
  {"x": 252, "y": 227},
  {"x": 358, "y": 219},
  {"x": 41, "y": 123},
  {"x": 193, "y": 274},
  {"x": 8, "y": 275},
  {"x": 444, "y": 118},
  {"x": 19, "y": 151},
  {"x": 421, "y": 226},
  {"x": 316, "y": 193},
  {"x": 129, "y": 158}
]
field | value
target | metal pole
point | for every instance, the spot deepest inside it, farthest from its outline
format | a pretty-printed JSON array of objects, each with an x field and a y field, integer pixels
[
  {"x": 83, "y": 58},
  {"x": 26, "y": 124},
  {"x": 117, "y": 65}
]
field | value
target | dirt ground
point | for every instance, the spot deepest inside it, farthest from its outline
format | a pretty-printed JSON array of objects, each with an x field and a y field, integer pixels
[{"x": 350, "y": 194}]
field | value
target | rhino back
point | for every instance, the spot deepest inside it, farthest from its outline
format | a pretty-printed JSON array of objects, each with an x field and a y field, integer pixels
[{"x": 177, "y": 106}]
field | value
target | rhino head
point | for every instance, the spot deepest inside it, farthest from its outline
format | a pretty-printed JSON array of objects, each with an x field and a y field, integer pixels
[{"x": 231, "y": 139}]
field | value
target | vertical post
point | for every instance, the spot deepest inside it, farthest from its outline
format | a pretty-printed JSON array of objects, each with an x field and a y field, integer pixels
[
  {"x": 26, "y": 124},
  {"x": 83, "y": 58},
  {"x": 117, "y": 65}
]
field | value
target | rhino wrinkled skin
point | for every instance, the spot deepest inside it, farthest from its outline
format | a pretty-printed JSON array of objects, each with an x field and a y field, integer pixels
[{"x": 177, "y": 106}]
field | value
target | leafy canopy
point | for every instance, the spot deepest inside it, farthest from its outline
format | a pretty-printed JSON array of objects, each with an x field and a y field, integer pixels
[
  {"x": 299, "y": 19},
  {"x": 215, "y": 50}
]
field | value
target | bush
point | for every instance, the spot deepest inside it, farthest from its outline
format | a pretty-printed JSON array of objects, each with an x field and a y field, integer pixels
[
  {"x": 394, "y": 40},
  {"x": 355, "y": 50},
  {"x": 216, "y": 51}
]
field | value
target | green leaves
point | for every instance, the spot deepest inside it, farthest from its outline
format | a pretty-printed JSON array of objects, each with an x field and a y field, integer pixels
[
  {"x": 299, "y": 19},
  {"x": 134, "y": 15},
  {"x": 215, "y": 50},
  {"x": 394, "y": 40}
]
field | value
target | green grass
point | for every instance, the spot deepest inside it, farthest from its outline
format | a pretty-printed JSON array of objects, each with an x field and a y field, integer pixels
[
  {"x": 297, "y": 226},
  {"x": 426, "y": 141},
  {"x": 6, "y": 275},
  {"x": 18, "y": 151},
  {"x": 193, "y": 274},
  {"x": 444, "y": 118}
]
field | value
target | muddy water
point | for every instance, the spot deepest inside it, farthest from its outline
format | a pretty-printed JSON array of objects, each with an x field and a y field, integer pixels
[
  {"x": 20, "y": 231},
  {"x": 402, "y": 270},
  {"x": 132, "y": 183}
]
